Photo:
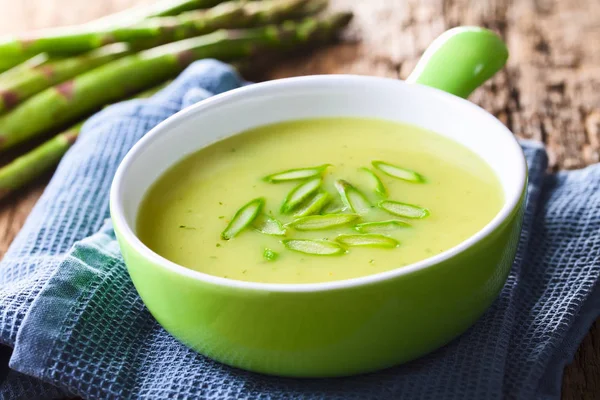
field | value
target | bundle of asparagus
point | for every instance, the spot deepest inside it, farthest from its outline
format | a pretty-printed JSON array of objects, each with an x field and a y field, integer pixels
[
  {"x": 160, "y": 9},
  {"x": 32, "y": 77},
  {"x": 155, "y": 31},
  {"x": 32, "y": 164},
  {"x": 115, "y": 57}
]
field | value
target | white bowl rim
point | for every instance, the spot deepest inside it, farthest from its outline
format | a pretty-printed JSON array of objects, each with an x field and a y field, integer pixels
[{"x": 118, "y": 215}]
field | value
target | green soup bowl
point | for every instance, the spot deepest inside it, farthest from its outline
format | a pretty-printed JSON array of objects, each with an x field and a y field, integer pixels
[{"x": 350, "y": 326}]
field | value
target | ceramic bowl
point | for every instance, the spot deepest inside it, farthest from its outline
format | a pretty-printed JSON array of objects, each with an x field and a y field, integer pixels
[{"x": 342, "y": 327}]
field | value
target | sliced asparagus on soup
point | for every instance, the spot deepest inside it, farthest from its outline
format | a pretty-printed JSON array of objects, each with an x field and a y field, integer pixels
[
  {"x": 314, "y": 204},
  {"x": 352, "y": 197},
  {"x": 314, "y": 247},
  {"x": 376, "y": 183},
  {"x": 319, "y": 222},
  {"x": 403, "y": 209},
  {"x": 299, "y": 194},
  {"x": 205, "y": 190},
  {"x": 243, "y": 217},
  {"x": 398, "y": 172},
  {"x": 296, "y": 174},
  {"x": 270, "y": 255},
  {"x": 368, "y": 240},
  {"x": 381, "y": 226},
  {"x": 268, "y": 225},
  {"x": 335, "y": 206}
]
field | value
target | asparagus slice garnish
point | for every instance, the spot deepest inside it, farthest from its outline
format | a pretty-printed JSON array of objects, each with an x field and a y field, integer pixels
[
  {"x": 268, "y": 225},
  {"x": 243, "y": 218},
  {"x": 381, "y": 226},
  {"x": 296, "y": 174},
  {"x": 87, "y": 92},
  {"x": 398, "y": 172},
  {"x": 36, "y": 162},
  {"x": 352, "y": 197},
  {"x": 368, "y": 240},
  {"x": 24, "y": 169},
  {"x": 314, "y": 204},
  {"x": 377, "y": 184},
  {"x": 300, "y": 193},
  {"x": 335, "y": 206},
  {"x": 314, "y": 247},
  {"x": 270, "y": 255},
  {"x": 403, "y": 209},
  {"x": 319, "y": 222}
]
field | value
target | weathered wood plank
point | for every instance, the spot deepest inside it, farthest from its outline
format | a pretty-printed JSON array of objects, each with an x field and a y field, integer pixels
[{"x": 550, "y": 90}]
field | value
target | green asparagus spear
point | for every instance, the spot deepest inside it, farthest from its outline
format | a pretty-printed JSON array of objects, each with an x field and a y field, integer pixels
[
  {"x": 22, "y": 170},
  {"x": 243, "y": 218},
  {"x": 122, "y": 19},
  {"x": 29, "y": 80},
  {"x": 33, "y": 62},
  {"x": 75, "y": 98},
  {"x": 6, "y": 63},
  {"x": 38, "y": 161},
  {"x": 229, "y": 15},
  {"x": 158, "y": 9},
  {"x": 23, "y": 82}
]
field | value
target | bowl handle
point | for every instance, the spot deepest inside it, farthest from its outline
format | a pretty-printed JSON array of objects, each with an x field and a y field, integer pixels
[{"x": 460, "y": 60}]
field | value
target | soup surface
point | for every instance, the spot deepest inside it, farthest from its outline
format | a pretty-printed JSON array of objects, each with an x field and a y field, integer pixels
[{"x": 185, "y": 212}]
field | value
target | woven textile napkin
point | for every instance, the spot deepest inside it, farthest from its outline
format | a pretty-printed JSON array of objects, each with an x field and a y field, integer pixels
[{"x": 78, "y": 328}]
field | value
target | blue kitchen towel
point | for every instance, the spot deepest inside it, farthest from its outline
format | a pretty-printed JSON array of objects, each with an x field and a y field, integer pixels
[{"x": 78, "y": 328}]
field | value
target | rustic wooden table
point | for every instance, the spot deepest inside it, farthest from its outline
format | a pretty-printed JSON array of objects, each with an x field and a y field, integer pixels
[{"x": 550, "y": 90}]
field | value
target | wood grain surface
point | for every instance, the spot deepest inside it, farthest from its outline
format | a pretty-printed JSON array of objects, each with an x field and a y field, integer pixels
[{"x": 550, "y": 90}]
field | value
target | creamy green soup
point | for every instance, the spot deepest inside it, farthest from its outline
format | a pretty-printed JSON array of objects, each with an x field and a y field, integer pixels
[{"x": 375, "y": 195}]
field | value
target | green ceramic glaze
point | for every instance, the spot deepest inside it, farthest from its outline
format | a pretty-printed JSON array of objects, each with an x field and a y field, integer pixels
[
  {"x": 347, "y": 329},
  {"x": 460, "y": 60}
]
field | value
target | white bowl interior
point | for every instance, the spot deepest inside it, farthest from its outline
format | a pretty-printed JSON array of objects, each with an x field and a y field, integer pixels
[{"x": 312, "y": 97}]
